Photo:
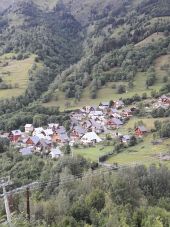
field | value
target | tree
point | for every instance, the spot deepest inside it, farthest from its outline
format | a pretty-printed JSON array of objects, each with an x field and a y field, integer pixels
[
  {"x": 96, "y": 200},
  {"x": 67, "y": 149},
  {"x": 80, "y": 212},
  {"x": 133, "y": 141},
  {"x": 121, "y": 89},
  {"x": 165, "y": 130},
  {"x": 39, "y": 120}
]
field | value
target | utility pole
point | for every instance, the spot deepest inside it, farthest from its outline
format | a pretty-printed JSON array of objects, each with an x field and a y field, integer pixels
[
  {"x": 28, "y": 203},
  {"x": 3, "y": 183}
]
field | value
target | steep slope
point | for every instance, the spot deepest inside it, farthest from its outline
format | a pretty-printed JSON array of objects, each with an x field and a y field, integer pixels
[
  {"x": 87, "y": 44},
  {"x": 54, "y": 37}
]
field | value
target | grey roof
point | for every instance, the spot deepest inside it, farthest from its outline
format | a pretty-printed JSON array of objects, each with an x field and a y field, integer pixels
[
  {"x": 35, "y": 139},
  {"x": 117, "y": 121},
  {"x": 114, "y": 110},
  {"x": 142, "y": 128},
  {"x": 127, "y": 137},
  {"x": 79, "y": 130},
  {"x": 95, "y": 124},
  {"x": 26, "y": 151},
  {"x": 45, "y": 142},
  {"x": 64, "y": 137},
  {"x": 60, "y": 130}
]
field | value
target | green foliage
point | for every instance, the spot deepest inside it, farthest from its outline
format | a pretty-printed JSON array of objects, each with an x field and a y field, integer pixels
[{"x": 96, "y": 200}]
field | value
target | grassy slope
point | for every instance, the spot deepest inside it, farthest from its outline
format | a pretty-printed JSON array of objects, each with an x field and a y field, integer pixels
[
  {"x": 92, "y": 153},
  {"x": 155, "y": 37},
  {"x": 107, "y": 93},
  {"x": 144, "y": 152},
  {"x": 18, "y": 75}
]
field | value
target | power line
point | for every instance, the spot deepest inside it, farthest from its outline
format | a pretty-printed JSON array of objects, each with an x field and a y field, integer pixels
[
  {"x": 59, "y": 182},
  {"x": 3, "y": 183}
]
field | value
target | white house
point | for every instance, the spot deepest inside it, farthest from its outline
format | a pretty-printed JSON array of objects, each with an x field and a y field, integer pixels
[
  {"x": 37, "y": 131},
  {"x": 91, "y": 137},
  {"x": 29, "y": 128},
  {"x": 56, "y": 153}
]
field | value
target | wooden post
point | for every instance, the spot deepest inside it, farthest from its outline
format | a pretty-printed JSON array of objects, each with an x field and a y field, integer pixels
[{"x": 28, "y": 203}]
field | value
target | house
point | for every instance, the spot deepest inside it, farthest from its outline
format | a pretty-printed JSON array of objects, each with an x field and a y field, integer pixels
[
  {"x": 119, "y": 104},
  {"x": 96, "y": 113},
  {"x": 48, "y": 132},
  {"x": 53, "y": 126},
  {"x": 96, "y": 127},
  {"x": 33, "y": 140},
  {"x": 26, "y": 151},
  {"x": 45, "y": 144},
  {"x": 114, "y": 123},
  {"x": 56, "y": 153},
  {"x": 61, "y": 138},
  {"x": 37, "y": 131},
  {"x": 90, "y": 137},
  {"x": 15, "y": 135},
  {"x": 103, "y": 105},
  {"x": 125, "y": 138},
  {"x": 29, "y": 128},
  {"x": 164, "y": 99},
  {"x": 78, "y": 116},
  {"x": 140, "y": 131},
  {"x": 88, "y": 109},
  {"x": 113, "y": 111},
  {"x": 60, "y": 130},
  {"x": 77, "y": 132},
  {"x": 127, "y": 113},
  {"x": 86, "y": 124}
]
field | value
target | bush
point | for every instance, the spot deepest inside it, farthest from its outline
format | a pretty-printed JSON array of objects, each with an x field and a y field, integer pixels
[{"x": 121, "y": 89}]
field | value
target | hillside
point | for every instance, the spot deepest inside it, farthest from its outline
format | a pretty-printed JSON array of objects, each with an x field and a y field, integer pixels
[{"x": 89, "y": 46}]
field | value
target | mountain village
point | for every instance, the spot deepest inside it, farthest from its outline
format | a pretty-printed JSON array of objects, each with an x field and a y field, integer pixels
[{"x": 88, "y": 126}]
